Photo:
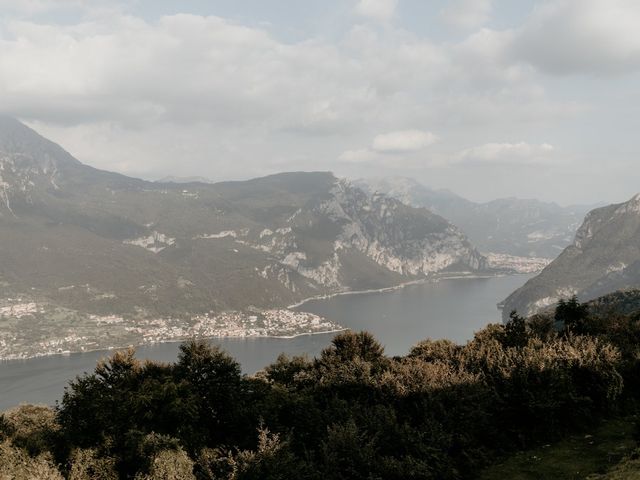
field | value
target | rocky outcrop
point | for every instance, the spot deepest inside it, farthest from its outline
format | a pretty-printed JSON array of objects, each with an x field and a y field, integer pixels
[
  {"x": 604, "y": 257},
  {"x": 341, "y": 234}
]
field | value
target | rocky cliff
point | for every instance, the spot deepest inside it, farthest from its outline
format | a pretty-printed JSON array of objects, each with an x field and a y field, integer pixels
[{"x": 604, "y": 257}]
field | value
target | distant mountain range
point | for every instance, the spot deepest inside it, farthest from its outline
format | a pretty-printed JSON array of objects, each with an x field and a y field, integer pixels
[
  {"x": 512, "y": 226},
  {"x": 79, "y": 246},
  {"x": 604, "y": 257}
]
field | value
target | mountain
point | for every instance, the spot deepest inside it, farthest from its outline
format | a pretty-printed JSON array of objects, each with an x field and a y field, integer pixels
[
  {"x": 84, "y": 250},
  {"x": 604, "y": 257},
  {"x": 511, "y": 226}
]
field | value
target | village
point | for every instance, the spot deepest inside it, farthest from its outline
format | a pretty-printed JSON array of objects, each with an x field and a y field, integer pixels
[{"x": 82, "y": 333}]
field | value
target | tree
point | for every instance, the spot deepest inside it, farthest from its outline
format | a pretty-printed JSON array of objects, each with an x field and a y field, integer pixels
[
  {"x": 572, "y": 315},
  {"x": 218, "y": 392},
  {"x": 515, "y": 331},
  {"x": 349, "y": 346}
]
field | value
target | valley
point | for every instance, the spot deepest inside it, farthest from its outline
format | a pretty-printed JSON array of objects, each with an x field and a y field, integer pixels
[{"x": 91, "y": 259}]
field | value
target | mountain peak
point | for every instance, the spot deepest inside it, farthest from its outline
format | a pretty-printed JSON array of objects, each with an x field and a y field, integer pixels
[
  {"x": 18, "y": 141},
  {"x": 29, "y": 165},
  {"x": 632, "y": 206}
]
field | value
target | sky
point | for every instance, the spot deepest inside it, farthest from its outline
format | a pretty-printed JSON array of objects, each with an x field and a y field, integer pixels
[{"x": 488, "y": 98}]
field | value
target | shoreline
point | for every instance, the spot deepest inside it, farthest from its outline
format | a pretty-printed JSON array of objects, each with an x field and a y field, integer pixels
[
  {"x": 420, "y": 281},
  {"x": 355, "y": 292},
  {"x": 151, "y": 344}
]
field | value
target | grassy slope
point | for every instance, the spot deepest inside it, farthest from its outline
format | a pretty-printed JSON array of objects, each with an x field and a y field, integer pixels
[{"x": 576, "y": 457}]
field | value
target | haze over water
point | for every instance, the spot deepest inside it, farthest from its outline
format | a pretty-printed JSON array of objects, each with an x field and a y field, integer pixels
[{"x": 452, "y": 309}]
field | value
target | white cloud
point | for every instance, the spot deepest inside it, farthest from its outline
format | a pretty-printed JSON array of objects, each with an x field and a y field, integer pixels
[
  {"x": 467, "y": 14},
  {"x": 392, "y": 144},
  {"x": 185, "y": 67},
  {"x": 521, "y": 153},
  {"x": 581, "y": 36},
  {"x": 403, "y": 141},
  {"x": 122, "y": 72},
  {"x": 357, "y": 156},
  {"x": 382, "y": 10}
]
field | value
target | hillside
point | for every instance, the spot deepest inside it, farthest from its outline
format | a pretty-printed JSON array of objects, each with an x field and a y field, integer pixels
[
  {"x": 604, "y": 257},
  {"x": 508, "y": 226},
  {"x": 96, "y": 259}
]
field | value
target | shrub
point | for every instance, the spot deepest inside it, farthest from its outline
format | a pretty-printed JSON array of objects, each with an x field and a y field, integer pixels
[
  {"x": 16, "y": 464},
  {"x": 86, "y": 464},
  {"x": 31, "y": 427},
  {"x": 169, "y": 464}
]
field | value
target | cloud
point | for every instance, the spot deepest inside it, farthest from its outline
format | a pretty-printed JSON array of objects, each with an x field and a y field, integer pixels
[
  {"x": 403, "y": 141},
  {"x": 381, "y": 10},
  {"x": 467, "y": 14},
  {"x": 521, "y": 153},
  {"x": 581, "y": 36},
  {"x": 184, "y": 68},
  {"x": 189, "y": 94},
  {"x": 357, "y": 156},
  {"x": 272, "y": 100},
  {"x": 400, "y": 142}
]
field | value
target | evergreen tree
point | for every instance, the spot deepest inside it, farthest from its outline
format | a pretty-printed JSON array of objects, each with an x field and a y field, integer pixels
[{"x": 572, "y": 315}]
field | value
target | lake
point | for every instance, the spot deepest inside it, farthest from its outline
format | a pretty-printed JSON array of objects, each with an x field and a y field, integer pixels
[{"x": 453, "y": 308}]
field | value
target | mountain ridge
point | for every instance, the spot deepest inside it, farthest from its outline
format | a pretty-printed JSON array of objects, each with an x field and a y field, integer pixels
[
  {"x": 604, "y": 257},
  {"x": 85, "y": 250}
]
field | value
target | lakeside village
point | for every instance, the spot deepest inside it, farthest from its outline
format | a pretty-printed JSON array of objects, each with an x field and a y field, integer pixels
[{"x": 56, "y": 333}]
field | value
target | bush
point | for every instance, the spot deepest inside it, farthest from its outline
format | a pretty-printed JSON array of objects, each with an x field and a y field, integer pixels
[
  {"x": 16, "y": 464},
  {"x": 169, "y": 465},
  {"x": 86, "y": 464},
  {"x": 31, "y": 427}
]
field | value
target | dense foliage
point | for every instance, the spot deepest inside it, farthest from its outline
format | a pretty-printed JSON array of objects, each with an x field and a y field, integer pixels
[{"x": 440, "y": 412}]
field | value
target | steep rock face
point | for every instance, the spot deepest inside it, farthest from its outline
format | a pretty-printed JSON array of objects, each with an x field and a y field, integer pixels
[
  {"x": 339, "y": 236},
  {"x": 604, "y": 257},
  {"x": 405, "y": 240},
  {"x": 508, "y": 226}
]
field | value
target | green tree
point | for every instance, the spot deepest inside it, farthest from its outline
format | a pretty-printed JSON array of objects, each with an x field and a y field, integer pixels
[
  {"x": 218, "y": 392},
  {"x": 515, "y": 331},
  {"x": 572, "y": 315},
  {"x": 348, "y": 346}
]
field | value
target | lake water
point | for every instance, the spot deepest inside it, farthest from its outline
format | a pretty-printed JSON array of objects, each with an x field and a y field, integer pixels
[
  {"x": 400, "y": 318},
  {"x": 452, "y": 309}
]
